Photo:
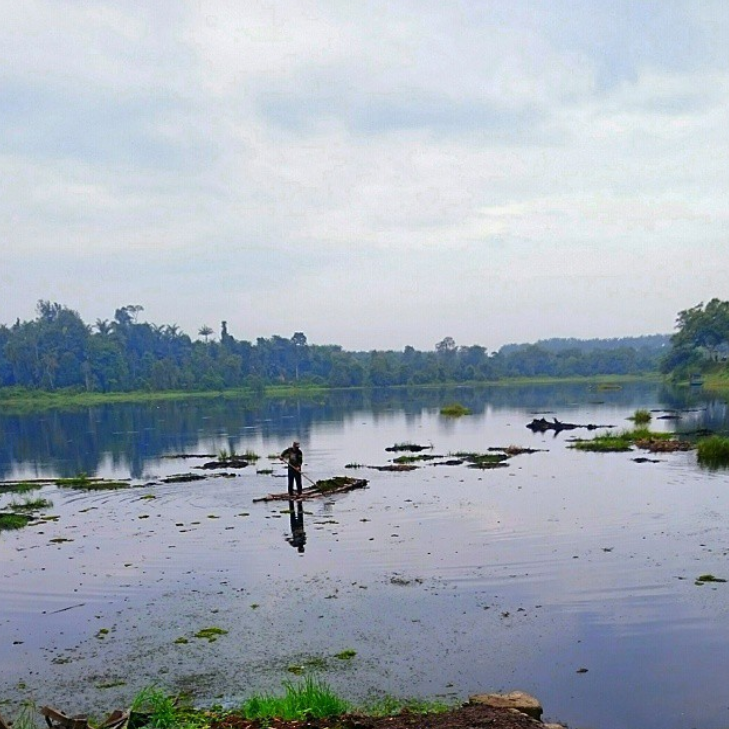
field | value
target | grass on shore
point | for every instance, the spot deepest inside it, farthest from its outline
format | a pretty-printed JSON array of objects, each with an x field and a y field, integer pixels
[{"x": 310, "y": 698}]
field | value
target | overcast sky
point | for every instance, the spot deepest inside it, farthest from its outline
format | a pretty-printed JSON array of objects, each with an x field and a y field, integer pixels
[{"x": 374, "y": 174}]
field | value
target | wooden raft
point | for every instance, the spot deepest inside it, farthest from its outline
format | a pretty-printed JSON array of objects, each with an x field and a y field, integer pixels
[{"x": 327, "y": 487}]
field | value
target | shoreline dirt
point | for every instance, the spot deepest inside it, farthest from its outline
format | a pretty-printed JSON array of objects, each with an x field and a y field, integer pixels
[{"x": 469, "y": 716}]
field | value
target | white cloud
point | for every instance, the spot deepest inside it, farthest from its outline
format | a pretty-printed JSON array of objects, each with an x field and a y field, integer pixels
[{"x": 455, "y": 165}]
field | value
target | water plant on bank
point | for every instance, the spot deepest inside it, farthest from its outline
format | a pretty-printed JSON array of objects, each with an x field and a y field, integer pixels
[{"x": 713, "y": 452}]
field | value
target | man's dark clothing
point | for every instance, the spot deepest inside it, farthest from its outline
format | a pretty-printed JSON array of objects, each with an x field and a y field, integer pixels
[{"x": 295, "y": 458}]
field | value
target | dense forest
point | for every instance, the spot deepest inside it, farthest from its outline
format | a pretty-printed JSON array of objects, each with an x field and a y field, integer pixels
[{"x": 58, "y": 350}]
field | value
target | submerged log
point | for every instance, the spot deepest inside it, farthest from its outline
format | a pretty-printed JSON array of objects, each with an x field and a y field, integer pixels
[{"x": 336, "y": 485}]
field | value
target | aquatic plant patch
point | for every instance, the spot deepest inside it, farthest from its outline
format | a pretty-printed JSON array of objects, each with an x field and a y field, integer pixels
[
  {"x": 210, "y": 634},
  {"x": 91, "y": 484},
  {"x": 13, "y": 521},
  {"x": 455, "y": 410},
  {"x": 713, "y": 452}
]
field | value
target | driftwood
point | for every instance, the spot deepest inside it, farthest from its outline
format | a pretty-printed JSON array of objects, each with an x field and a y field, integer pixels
[
  {"x": 541, "y": 425},
  {"x": 118, "y": 719},
  {"x": 336, "y": 485}
]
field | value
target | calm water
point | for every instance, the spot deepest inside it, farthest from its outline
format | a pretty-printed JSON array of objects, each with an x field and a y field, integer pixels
[{"x": 445, "y": 581}]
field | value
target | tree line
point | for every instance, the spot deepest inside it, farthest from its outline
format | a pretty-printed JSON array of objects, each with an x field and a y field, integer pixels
[
  {"x": 58, "y": 350},
  {"x": 701, "y": 341}
]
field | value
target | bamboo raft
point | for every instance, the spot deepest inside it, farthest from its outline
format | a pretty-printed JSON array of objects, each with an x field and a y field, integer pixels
[{"x": 327, "y": 487}]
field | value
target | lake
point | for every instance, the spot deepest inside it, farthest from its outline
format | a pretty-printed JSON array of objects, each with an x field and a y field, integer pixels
[{"x": 566, "y": 574}]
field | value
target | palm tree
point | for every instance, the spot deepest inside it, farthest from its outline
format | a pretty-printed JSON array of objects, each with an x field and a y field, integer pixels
[{"x": 205, "y": 331}]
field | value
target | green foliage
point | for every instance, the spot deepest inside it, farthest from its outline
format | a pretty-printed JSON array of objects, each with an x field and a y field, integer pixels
[
  {"x": 713, "y": 452},
  {"x": 702, "y": 331},
  {"x": 310, "y": 698},
  {"x": 161, "y": 708},
  {"x": 57, "y": 351}
]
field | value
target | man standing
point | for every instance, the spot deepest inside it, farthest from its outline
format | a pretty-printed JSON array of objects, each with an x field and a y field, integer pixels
[{"x": 295, "y": 460}]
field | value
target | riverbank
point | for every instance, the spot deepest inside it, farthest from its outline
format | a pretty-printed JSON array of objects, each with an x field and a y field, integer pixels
[{"x": 23, "y": 400}]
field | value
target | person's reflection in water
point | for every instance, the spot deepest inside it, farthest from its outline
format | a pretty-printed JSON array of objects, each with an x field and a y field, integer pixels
[{"x": 298, "y": 535}]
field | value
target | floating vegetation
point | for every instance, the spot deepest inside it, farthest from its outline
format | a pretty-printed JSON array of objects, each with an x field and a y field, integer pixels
[
  {"x": 316, "y": 663},
  {"x": 412, "y": 447},
  {"x": 183, "y": 478},
  {"x": 415, "y": 459},
  {"x": 515, "y": 450},
  {"x": 210, "y": 634},
  {"x": 82, "y": 481},
  {"x": 346, "y": 654},
  {"x": 264, "y": 471},
  {"x": 713, "y": 452},
  {"x": 455, "y": 410},
  {"x": 702, "y": 579},
  {"x": 22, "y": 487},
  {"x": 395, "y": 467},
  {"x": 30, "y": 505},
  {"x": 641, "y": 417},
  {"x": 13, "y": 521},
  {"x": 604, "y": 444},
  {"x": 483, "y": 460},
  {"x": 625, "y": 440},
  {"x": 354, "y": 465},
  {"x": 251, "y": 455},
  {"x": 335, "y": 483}
]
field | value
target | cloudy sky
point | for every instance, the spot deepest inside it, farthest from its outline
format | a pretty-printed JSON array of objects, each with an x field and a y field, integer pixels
[{"x": 374, "y": 174}]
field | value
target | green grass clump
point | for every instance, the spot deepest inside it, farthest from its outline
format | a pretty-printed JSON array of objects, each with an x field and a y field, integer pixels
[
  {"x": 162, "y": 709},
  {"x": 13, "y": 521},
  {"x": 604, "y": 444},
  {"x": 251, "y": 455},
  {"x": 641, "y": 417},
  {"x": 617, "y": 442},
  {"x": 309, "y": 699},
  {"x": 701, "y": 579},
  {"x": 30, "y": 505},
  {"x": 455, "y": 410},
  {"x": 713, "y": 452}
]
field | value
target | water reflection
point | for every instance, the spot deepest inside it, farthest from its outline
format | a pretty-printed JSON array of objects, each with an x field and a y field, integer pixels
[
  {"x": 130, "y": 436},
  {"x": 298, "y": 533}
]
